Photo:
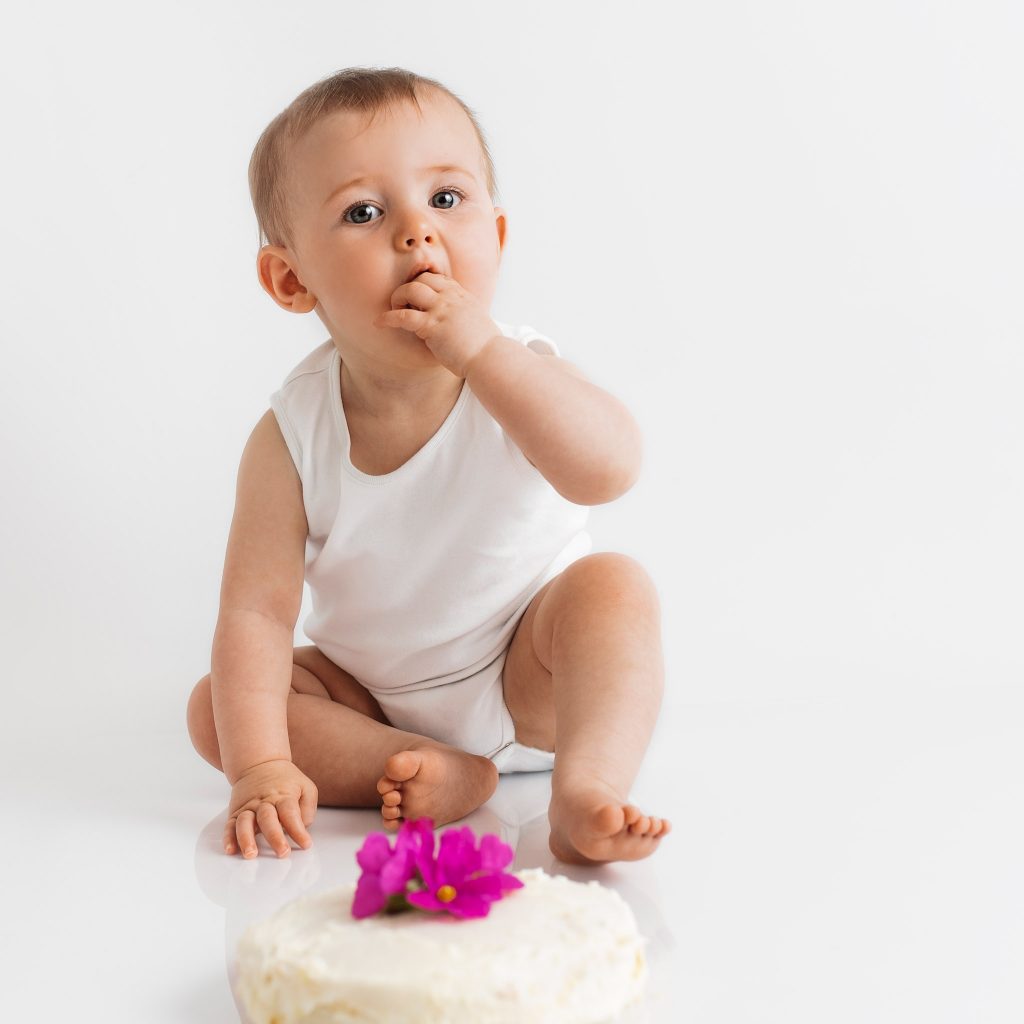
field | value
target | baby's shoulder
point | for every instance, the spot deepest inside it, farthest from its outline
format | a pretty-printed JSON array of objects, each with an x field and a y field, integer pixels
[{"x": 316, "y": 361}]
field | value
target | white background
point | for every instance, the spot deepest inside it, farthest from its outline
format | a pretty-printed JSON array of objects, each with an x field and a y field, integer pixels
[{"x": 787, "y": 235}]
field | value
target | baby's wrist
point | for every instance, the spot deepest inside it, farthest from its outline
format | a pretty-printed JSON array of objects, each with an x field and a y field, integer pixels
[
  {"x": 241, "y": 773},
  {"x": 495, "y": 339}
]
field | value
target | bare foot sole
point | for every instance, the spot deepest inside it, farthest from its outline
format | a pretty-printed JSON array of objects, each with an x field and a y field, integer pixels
[
  {"x": 434, "y": 781},
  {"x": 590, "y": 824}
]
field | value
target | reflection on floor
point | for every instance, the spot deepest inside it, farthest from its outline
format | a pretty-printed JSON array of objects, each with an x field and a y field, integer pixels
[{"x": 251, "y": 890}]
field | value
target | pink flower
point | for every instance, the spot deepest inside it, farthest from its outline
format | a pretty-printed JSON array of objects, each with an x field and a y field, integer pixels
[
  {"x": 463, "y": 880},
  {"x": 387, "y": 872}
]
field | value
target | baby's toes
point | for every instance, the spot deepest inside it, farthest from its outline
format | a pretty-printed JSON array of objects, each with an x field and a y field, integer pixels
[
  {"x": 386, "y": 785},
  {"x": 641, "y": 826},
  {"x": 392, "y": 799},
  {"x": 390, "y": 812},
  {"x": 632, "y": 813}
]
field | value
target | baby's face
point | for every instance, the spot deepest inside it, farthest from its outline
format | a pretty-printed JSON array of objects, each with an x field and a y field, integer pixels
[{"x": 354, "y": 244}]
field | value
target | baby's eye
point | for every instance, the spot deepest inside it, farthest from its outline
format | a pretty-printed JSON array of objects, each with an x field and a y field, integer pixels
[
  {"x": 451, "y": 192},
  {"x": 358, "y": 208}
]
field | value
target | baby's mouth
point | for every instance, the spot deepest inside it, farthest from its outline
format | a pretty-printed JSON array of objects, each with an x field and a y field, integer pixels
[{"x": 421, "y": 268}]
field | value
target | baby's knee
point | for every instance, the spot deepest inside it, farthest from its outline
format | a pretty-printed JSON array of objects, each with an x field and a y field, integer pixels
[{"x": 201, "y": 728}]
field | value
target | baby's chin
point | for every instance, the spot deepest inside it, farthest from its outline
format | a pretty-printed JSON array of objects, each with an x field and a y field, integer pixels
[{"x": 407, "y": 342}]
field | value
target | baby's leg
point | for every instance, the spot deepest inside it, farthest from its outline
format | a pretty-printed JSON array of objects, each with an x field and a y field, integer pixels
[
  {"x": 585, "y": 677},
  {"x": 340, "y": 739}
]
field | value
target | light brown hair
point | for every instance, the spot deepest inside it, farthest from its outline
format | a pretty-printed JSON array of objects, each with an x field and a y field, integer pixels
[{"x": 368, "y": 90}]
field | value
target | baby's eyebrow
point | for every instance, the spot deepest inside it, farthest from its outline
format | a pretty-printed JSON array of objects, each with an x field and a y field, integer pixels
[{"x": 436, "y": 169}]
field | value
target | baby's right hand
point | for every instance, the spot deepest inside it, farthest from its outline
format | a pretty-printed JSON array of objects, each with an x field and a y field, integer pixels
[{"x": 264, "y": 798}]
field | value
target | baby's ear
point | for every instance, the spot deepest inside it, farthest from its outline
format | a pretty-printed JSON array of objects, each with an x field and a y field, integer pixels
[
  {"x": 279, "y": 279},
  {"x": 501, "y": 225}
]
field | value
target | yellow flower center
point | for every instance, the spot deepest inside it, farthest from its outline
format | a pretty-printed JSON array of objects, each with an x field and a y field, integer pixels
[{"x": 446, "y": 893}]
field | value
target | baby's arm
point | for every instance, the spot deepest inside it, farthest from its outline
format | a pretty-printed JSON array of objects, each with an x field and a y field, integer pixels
[
  {"x": 252, "y": 657},
  {"x": 582, "y": 439}
]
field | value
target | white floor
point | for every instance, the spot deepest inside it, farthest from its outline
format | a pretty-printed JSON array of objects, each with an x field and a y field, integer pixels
[{"x": 828, "y": 863}]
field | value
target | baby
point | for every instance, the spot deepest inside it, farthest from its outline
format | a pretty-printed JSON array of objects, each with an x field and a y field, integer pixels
[{"x": 429, "y": 472}]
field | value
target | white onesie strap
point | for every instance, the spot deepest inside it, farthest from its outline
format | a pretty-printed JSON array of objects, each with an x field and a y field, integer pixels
[{"x": 530, "y": 338}]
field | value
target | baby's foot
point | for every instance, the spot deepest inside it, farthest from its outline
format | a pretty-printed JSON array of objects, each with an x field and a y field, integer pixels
[
  {"x": 591, "y": 823},
  {"x": 434, "y": 781}
]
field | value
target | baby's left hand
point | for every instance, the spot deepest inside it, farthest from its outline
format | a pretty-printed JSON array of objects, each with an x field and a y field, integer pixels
[{"x": 450, "y": 321}]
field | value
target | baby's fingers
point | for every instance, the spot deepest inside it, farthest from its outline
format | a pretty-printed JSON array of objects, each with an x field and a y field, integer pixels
[
  {"x": 243, "y": 826},
  {"x": 266, "y": 815},
  {"x": 291, "y": 818},
  {"x": 308, "y": 799},
  {"x": 230, "y": 846}
]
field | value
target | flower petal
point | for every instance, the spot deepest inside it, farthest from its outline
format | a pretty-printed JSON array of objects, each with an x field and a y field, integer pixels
[
  {"x": 374, "y": 852},
  {"x": 422, "y": 827},
  {"x": 425, "y": 900},
  {"x": 368, "y": 899},
  {"x": 494, "y": 854},
  {"x": 468, "y": 906},
  {"x": 509, "y": 882},
  {"x": 487, "y": 887},
  {"x": 457, "y": 857},
  {"x": 425, "y": 857},
  {"x": 395, "y": 874},
  {"x": 412, "y": 834}
]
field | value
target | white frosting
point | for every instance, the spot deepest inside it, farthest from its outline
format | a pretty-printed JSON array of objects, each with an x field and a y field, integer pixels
[{"x": 556, "y": 951}]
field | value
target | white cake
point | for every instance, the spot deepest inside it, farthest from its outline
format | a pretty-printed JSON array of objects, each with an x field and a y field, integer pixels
[{"x": 555, "y": 951}]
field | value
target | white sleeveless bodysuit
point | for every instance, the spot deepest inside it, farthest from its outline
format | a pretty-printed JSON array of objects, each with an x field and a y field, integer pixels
[{"x": 420, "y": 576}]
